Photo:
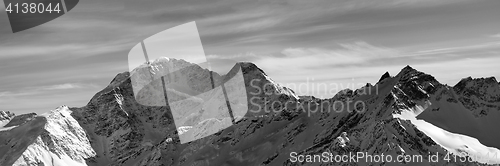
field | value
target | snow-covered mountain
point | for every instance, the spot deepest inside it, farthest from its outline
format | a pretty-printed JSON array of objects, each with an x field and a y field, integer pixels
[
  {"x": 410, "y": 113},
  {"x": 471, "y": 107},
  {"x": 54, "y": 138}
]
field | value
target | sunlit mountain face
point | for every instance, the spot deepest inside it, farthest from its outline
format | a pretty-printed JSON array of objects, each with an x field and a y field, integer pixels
[
  {"x": 395, "y": 117},
  {"x": 224, "y": 82}
]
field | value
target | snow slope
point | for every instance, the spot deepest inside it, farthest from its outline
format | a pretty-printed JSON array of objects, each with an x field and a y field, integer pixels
[
  {"x": 458, "y": 144},
  {"x": 52, "y": 139},
  {"x": 475, "y": 104},
  {"x": 440, "y": 115}
]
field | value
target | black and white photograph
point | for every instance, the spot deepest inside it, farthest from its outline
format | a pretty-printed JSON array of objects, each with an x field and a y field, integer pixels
[{"x": 249, "y": 82}]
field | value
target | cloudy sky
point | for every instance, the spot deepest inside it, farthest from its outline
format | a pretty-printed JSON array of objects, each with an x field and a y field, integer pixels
[{"x": 340, "y": 43}]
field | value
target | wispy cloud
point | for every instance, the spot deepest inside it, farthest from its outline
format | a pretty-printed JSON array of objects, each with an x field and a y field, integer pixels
[
  {"x": 63, "y": 50},
  {"x": 38, "y": 50},
  {"x": 289, "y": 39},
  {"x": 496, "y": 35},
  {"x": 236, "y": 57},
  {"x": 298, "y": 63},
  {"x": 60, "y": 87},
  {"x": 15, "y": 94},
  {"x": 348, "y": 54},
  {"x": 356, "y": 52},
  {"x": 355, "y": 64},
  {"x": 43, "y": 89},
  {"x": 41, "y": 99},
  {"x": 474, "y": 47}
]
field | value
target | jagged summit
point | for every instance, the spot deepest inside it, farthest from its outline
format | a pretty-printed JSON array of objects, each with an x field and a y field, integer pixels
[
  {"x": 121, "y": 131},
  {"x": 414, "y": 85},
  {"x": 250, "y": 72},
  {"x": 469, "y": 82},
  {"x": 249, "y": 66},
  {"x": 161, "y": 62},
  {"x": 156, "y": 61},
  {"x": 485, "y": 89},
  {"x": 409, "y": 74},
  {"x": 115, "y": 114},
  {"x": 488, "y": 80},
  {"x": 408, "y": 70},
  {"x": 246, "y": 67},
  {"x": 386, "y": 75},
  {"x": 119, "y": 78},
  {"x": 253, "y": 73}
]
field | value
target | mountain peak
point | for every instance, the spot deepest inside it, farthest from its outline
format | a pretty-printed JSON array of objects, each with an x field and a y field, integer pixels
[
  {"x": 473, "y": 91},
  {"x": 488, "y": 80},
  {"x": 408, "y": 70},
  {"x": 410, "y": 74},
  {"x": 251, "y": 73},
  {"x": 386, "y": 75},
  {"x": 476, "y": 83},
  {"x": 119, "y": 78},
  {"x": 147, "y": 135},
  {"x": 247, "y": 67},
  {"x": 491, "y": 80},
  {"x": 408, "y": 67},
  {"x": 463, "y": 81}
]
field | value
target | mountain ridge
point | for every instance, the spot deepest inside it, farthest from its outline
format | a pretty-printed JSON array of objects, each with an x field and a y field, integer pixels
[{"x": 122, "y": 132}]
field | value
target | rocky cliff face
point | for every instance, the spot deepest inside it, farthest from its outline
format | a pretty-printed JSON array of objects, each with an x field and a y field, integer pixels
[
  {"x": 378, "y": 119},
  {"x": 372, "y": 121},
  {"x": 125, "y": 132},
  {"x": 471, "y": 107},
  {"x": 481, "y": 95}
]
